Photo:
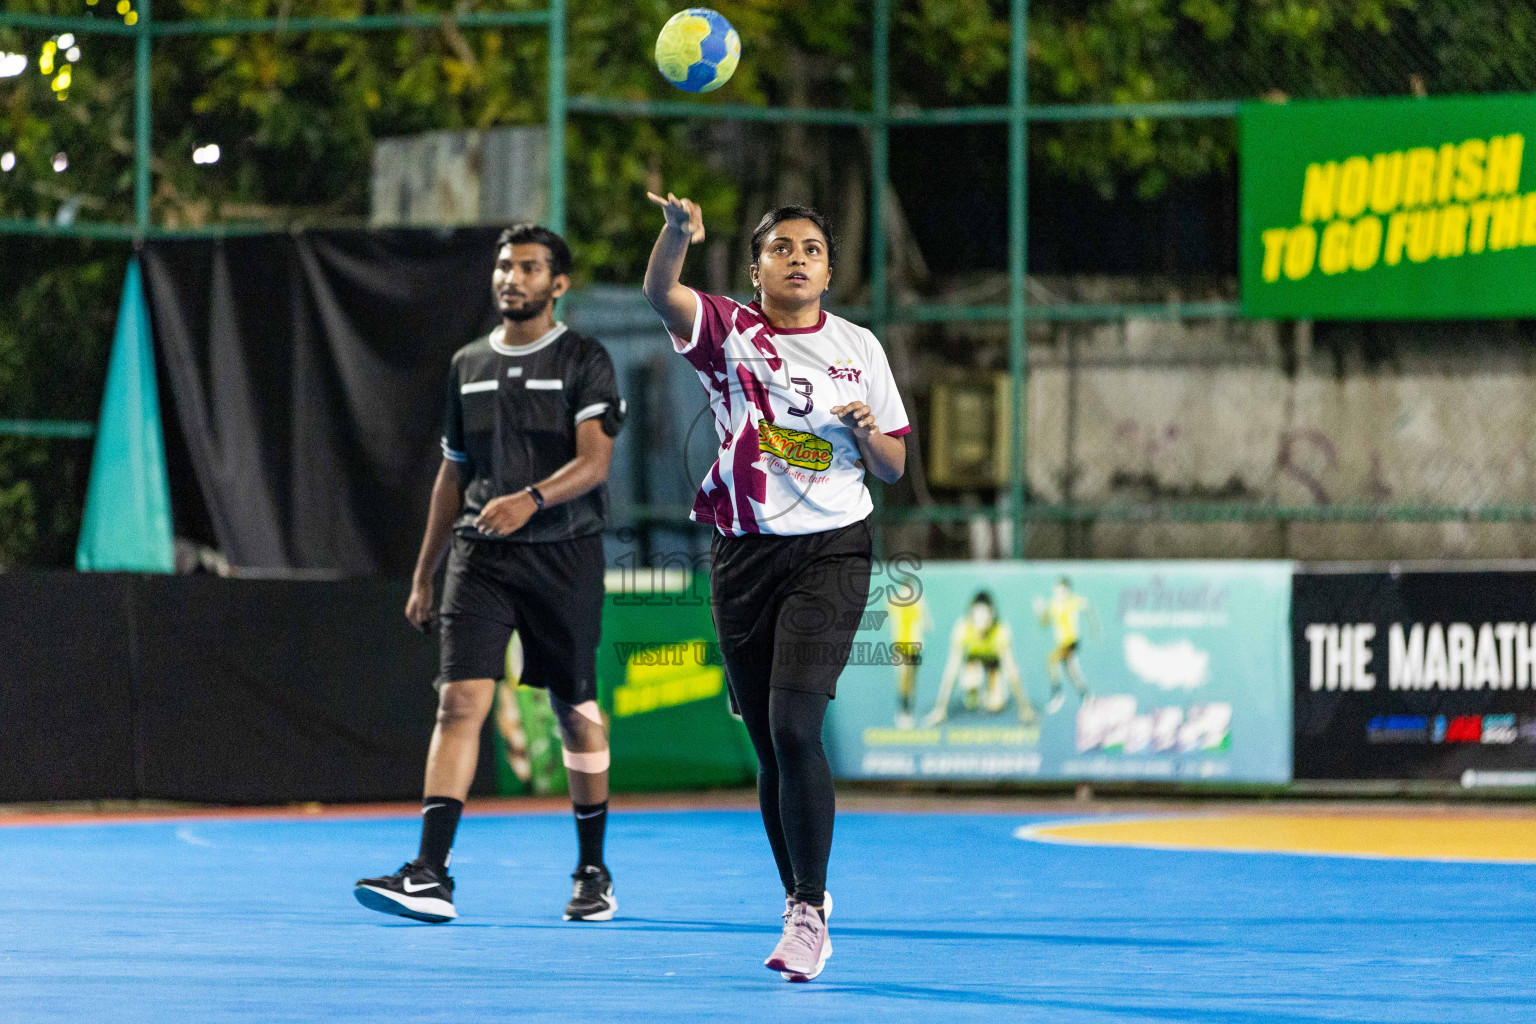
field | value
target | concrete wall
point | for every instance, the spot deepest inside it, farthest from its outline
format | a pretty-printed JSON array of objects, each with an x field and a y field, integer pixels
[{"x": 1289, "y": 414}]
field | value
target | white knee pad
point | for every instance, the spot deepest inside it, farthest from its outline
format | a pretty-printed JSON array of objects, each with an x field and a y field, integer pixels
[{"x": 591, "y": 762}]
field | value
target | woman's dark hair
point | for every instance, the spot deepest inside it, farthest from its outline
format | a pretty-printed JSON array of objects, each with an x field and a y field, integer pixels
[
  {"x": 982, "y": 597},
  {"x": 536, "y": 234},
  {"x": 783, "y": 213}
]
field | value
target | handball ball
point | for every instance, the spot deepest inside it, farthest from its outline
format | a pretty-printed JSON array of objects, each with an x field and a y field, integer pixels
[{"x": 697, "y": 50}]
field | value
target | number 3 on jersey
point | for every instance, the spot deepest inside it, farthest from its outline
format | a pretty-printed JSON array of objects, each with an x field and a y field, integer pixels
[{"x": 803, "y": 389}]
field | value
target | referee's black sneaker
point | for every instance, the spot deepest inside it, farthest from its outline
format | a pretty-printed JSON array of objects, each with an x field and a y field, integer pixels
[
  {"x": 592, "y": 895},
  {"x": 415, "y": 891}
]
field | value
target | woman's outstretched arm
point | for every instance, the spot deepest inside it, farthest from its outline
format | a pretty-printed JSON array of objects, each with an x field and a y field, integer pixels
[{"x": 666, "y": 294}]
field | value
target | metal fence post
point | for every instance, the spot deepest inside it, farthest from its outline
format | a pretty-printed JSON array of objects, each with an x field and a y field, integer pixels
[
  {"x": 1018, "y": 266},
  {"x": 557, "y": 114},
  {"x": 879, "y": 173},
  {"x": 879, "y": 168},
  {"x": 143, "y": 52}
]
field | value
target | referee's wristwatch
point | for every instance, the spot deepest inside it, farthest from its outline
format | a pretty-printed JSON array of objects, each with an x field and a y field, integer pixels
[{"x": 538, "y": 498}]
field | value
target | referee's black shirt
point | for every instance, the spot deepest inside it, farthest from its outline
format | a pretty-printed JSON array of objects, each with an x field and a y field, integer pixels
[{"x": 511, "y": 421}]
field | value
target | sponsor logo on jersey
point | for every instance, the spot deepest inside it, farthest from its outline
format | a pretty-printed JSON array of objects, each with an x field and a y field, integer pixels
[
  {"x": 796, "y": 447},
  {"x": 844, "y": 369}
]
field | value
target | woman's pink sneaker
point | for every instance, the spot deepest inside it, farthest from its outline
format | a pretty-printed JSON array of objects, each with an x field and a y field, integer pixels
[{"x": 805, "y": 946}]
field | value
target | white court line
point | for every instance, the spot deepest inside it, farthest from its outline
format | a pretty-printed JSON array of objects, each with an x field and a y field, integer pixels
[{"x": 186, "y": 836}]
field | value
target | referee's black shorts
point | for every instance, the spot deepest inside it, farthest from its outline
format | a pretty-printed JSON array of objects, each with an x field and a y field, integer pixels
[
  {"x": 786, "y": 608},
  {"x": 551, "y": 593}
]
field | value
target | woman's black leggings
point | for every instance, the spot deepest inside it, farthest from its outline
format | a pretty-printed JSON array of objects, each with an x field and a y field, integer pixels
[
  {"x": 794, "y": 787},
  {"x": 786, "y": 610}
]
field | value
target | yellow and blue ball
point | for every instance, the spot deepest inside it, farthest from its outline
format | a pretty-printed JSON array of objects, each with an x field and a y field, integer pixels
[{"x": 698, "y": 50}]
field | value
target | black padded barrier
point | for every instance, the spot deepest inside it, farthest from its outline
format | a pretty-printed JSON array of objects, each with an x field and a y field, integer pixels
[
  {"x": 66, "y": 687},
  {"x": 211, "y": 690}
]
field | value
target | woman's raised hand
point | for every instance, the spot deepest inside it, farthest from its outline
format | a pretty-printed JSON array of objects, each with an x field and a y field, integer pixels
[{"x": 682, "y": 215}]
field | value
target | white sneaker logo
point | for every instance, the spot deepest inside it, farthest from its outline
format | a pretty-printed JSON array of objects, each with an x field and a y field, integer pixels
[{"x": 406, "y": 884}]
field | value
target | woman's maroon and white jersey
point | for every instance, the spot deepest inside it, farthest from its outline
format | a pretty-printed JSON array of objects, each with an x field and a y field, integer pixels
[{"x": 786, "y": 464}]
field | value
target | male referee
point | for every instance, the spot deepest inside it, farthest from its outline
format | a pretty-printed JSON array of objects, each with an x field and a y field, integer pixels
[{"x": 527, "y": 438}]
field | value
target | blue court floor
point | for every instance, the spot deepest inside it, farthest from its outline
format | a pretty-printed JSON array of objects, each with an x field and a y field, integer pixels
[{"x": 938, "y": 918}]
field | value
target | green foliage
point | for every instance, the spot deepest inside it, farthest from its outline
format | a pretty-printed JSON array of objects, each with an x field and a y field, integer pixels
[
  {"x": 56, "y": 323},
  {"x": 18, "y": 522},
  {"x": 1124, "y": 51},
  {"x": 295, "y": 115}
]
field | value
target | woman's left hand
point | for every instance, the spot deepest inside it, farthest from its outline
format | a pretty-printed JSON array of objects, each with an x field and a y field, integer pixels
[{"x": 858, "y": 418}]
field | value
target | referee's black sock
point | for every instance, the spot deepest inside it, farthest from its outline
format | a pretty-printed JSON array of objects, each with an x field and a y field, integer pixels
[
  {"x": 439, "y": 822},
  {"x": 591, "y": 824}
]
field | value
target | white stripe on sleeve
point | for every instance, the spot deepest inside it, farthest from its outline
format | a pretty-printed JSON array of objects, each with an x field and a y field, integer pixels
[
  {"x": 595, "y": 409},
  {"x": 680, "y": 345}
]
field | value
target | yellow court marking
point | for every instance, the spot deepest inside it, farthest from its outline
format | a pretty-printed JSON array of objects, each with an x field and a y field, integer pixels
[{"x": 1449, "y": 837}]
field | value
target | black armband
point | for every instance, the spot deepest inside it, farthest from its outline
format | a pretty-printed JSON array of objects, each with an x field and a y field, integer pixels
[{"x": 613, "y": 417}]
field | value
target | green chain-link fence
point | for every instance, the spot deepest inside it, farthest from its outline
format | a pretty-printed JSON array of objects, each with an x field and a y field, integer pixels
[{"x": 1209, "y": 59}]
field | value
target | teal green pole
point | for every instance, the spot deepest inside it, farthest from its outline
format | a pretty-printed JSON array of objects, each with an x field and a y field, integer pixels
[
  {"x": 54, "y": 25},
  {"x": 287, "y": 26},
  {"x": 719, "y": 111},
  {"x": 362, "y": 23},
  {"x": 70, "y": 429},
  {"x": 879, "y": 172},
  {"x": 1018, "y": 266},
  {"x": 557, "y": 115},
  {"x": 142, "y": 52},
  {"x": 903, "y": 119},
  {"x": 879, "y": 168}
]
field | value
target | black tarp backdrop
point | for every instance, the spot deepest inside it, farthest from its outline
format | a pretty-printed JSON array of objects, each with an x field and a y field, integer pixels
[
  {"x": 306, "y": 376},
  {"x": 1436, "y": 732},
  {"x": 213, "y": 690}
]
